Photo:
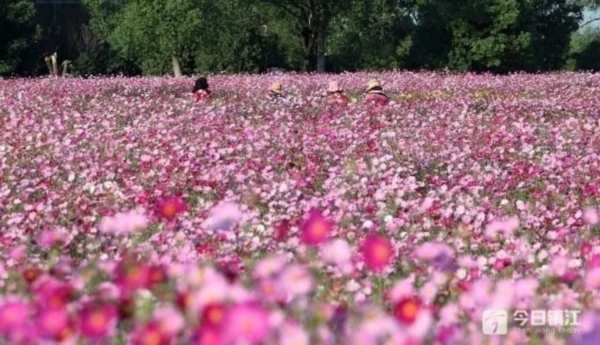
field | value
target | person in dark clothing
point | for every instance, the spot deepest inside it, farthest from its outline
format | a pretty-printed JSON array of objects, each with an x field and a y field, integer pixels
[{"x": 201, "y": 90}]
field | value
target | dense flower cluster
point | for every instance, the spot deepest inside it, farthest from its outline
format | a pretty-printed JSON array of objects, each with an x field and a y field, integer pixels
[{"x": 131, "y": 213}]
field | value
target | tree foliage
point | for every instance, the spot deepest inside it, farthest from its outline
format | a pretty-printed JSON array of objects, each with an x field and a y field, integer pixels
[
  {"x": 19, "y": 34},
  {"x": 201, "y": 36},
  {"x": 493, "y": 35}
]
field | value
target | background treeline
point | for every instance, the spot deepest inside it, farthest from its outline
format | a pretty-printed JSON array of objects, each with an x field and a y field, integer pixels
[{"x": 201, "y": 36}]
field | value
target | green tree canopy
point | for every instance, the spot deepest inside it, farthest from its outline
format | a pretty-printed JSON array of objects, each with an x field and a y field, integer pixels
[
  {"x": 493, "y": 35},
  {"x": 19, "y": 34}
]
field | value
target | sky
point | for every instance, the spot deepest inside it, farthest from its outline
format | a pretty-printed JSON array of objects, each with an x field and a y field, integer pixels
[{"x": 588, "y": 14}]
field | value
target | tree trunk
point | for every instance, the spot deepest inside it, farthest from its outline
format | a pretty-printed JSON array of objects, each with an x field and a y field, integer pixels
[
  {"x": 65, "y": 66},
  {"x": 54, "y": 58},
  {"x": 321, "y": 51},
  {"x": 176, "y": 66},
  {"x": 48, "y": 64}
]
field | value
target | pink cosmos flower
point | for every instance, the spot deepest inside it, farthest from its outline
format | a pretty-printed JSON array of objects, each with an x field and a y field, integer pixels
[
  {"x": 149, "y": 334},
  {"x": 558, "y": 266},
  {"x": 406, "y": 309},
  {"x": 316, "y": 229},
  {"x": 296, "y": 280},
  {"x": 97, "y": 321},
  {"x": 592, "y": 279},
  {"x": 14, "y": 314},
  {"x": 377, "y": 252},
  {"x": 123, "y": 223},
  {"x": 52, "y": 293},
  {"x": 293, "y": 334},
  {"x": 207, "y": 335},
  {"x": 169, "y": 207},
  {"x": 213, "y": 315},
  {"x": 31, "y": 274},
  {"x": 49, "y": 239},
  {"x": 506, "y": 227},
  {"x": 269, "y": 267},
  {"x": 336, "y": 252},
  {"x": 170, "y": 320},
  {"x": 590, "y": 216},
  {"x": 54, "y": 324},
  {"x": 247, "y": 322},
  {"x": 438, "y": 254},
  {"x": 223, "y": 217},
  {"x": 282, "y": 230},
  {"x": 131, "y": 275}
]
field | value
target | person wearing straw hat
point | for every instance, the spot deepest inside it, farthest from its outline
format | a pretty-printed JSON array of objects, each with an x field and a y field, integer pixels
[
  {"x": 201, "y": 91},
  {"x": 336, "y": 94},
  {"x": 275, "y": 91},
  {"x": 375, "y": 94}
]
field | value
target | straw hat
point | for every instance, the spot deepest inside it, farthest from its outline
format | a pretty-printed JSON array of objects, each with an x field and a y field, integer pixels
[
  {"x": 275, "y": 87},
  {"x": 334, "y": 86},
  {"x": 373, "y": 84}
]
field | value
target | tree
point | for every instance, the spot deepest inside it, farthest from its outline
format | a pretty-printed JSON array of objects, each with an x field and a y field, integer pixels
[
  {"x": 314, "y": 17},
  {"x": 19, "y": 34},
  {"x": 552, "y": 24},
  {"x": 155, "y": 33},
  {"x": 196, "y": 35},
  {"x": 494, "y": 35},
  {"x": 372, "y": 35}
]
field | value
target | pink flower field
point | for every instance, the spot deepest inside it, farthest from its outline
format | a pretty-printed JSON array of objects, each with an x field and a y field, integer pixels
[{"x": 131, "y": 214}]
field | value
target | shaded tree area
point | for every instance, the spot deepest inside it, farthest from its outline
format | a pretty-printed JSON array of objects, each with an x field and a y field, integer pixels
[
  {"x": 20, "y": 35},
  {"x": 203, "y": 36}
]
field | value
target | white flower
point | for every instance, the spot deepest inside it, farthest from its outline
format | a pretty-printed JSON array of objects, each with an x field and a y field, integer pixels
[
  {"x": 296, "y": 280},
  {"x": 336, "y": 252}
]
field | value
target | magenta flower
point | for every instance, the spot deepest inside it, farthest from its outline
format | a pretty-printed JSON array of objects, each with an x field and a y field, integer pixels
[
  {"x": 97, "y": 321},
  {"x": 149, "y": 334},
  {"x": 14, "y": 314},
  {"x": 377, "y": 252},
  {"x": 247, "y": 322},
  {"x": 54, "y": 324},
  {"x": 316, "y": 229},
  {"x": 169, "y": 207},
  {"x": 131, "y": 275}
]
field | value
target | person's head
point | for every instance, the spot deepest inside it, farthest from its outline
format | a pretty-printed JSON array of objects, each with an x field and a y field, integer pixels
[
  {"x": 201, "y": 84},
  {"x": 276, "y": 88},
  {"x": 334, "y": 87},
  {"x": 373, "y": 85}
]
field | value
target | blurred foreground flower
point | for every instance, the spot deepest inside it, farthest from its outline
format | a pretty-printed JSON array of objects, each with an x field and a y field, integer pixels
[
  {"x": 590, "y": 216},
  {"x": 505, "y": 227},
  {"x": 97, "y": 321},
  {"x": 14, "y": 313},
  {"x": 377, "y": 252},
  {"x": 123, "y": 223},
  {"x": 223, "y": 217},
  {"x": 406, "y": 310},
  {"x": 316, "y": 229},
  {"x": 247, "y": 323},
  {"x": 336, "y": 252}
]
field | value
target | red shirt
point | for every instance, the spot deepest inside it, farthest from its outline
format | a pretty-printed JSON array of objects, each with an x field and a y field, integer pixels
[
  {"x": 202, "y": 95},
  {"x": 337, "y": 98},
  {"x": 377, "y": 98}
]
